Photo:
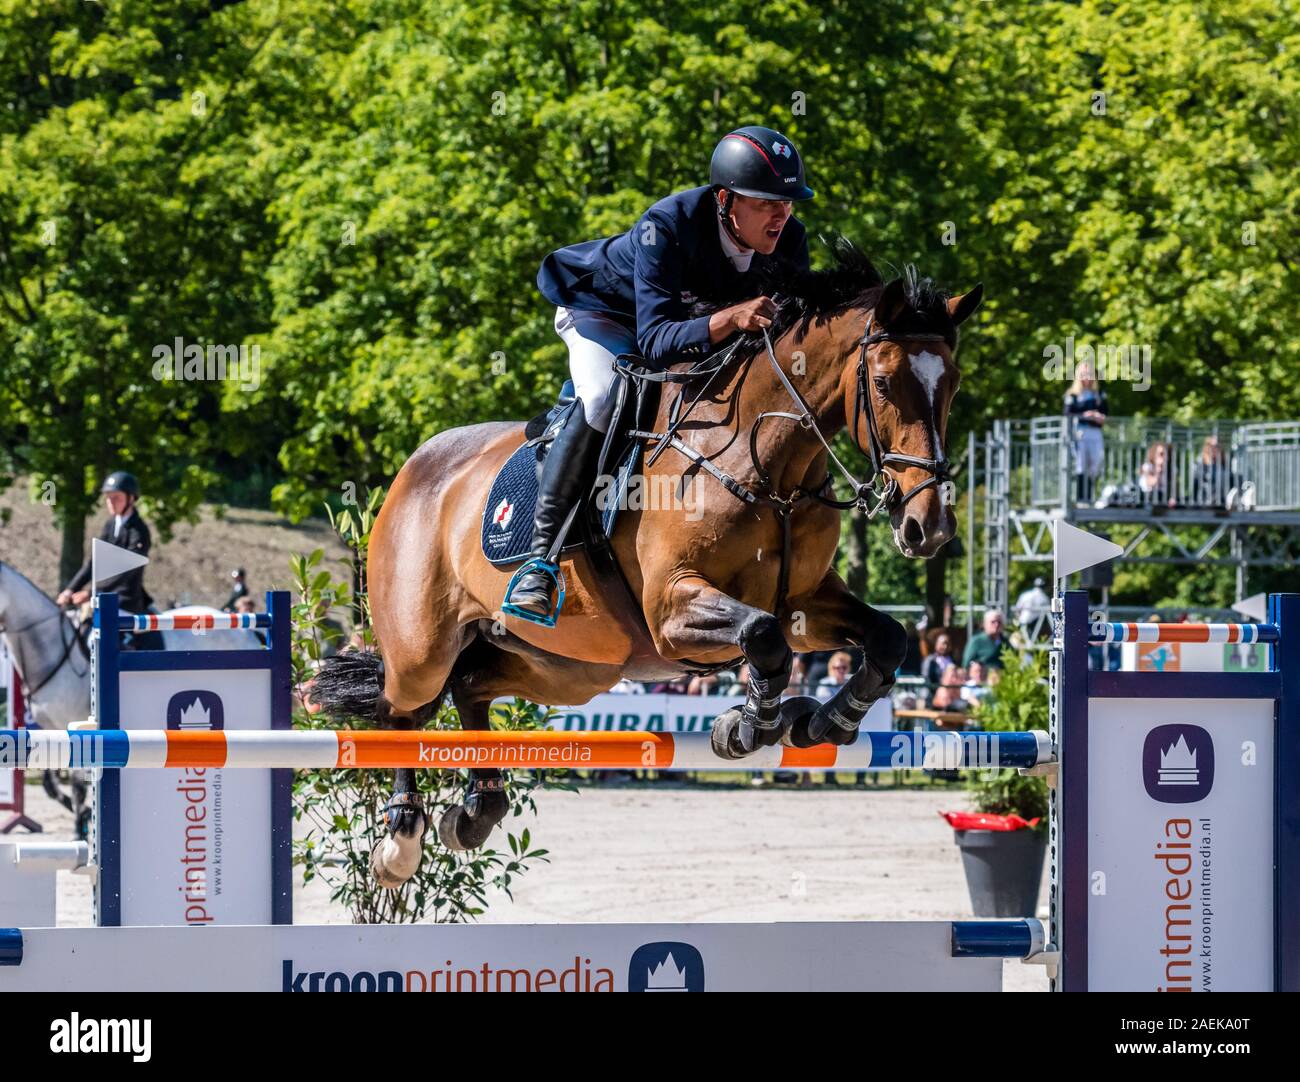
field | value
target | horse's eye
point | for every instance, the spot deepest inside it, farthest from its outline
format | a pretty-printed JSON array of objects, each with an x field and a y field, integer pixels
[{"x": 882, "y": 384}]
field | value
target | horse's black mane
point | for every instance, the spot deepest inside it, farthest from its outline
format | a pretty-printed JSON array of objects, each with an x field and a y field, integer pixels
[{"x": 853, "y": 282}]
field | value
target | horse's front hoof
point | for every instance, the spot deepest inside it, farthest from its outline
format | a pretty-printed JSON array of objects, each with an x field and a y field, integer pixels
[
  {"x": 395, "y": 859},
  {"x": 819, "y": 727},
  {"x": 796, "y": 717}
]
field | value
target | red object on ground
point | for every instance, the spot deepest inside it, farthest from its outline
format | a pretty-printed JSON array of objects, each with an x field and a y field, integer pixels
[{"x": 984, "y": 821}]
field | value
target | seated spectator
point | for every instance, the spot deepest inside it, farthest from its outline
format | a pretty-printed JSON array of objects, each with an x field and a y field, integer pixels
[
  {"x": 947, "y": 695},
  {"x": 678, "y": 686},
  {"x": 838, "y": 671},
  {"x": 1211, "y": 478},
  {"x": 734, "y": 681},
  {"x": 987, "y": 645},
  {"x": 627, "y": 687},
  {"x": 939, "y": 661},
  {"x": 976, "y": 688},
  {"x": 1155, "y": 477},
  {"x": 703, "y": 685},
  {"x": 815, "y": 666}
]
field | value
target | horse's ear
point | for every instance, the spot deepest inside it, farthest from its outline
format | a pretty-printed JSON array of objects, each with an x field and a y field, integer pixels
[
  {"x": 963, "y": 307},
  {"x": 892, "y": 303}
]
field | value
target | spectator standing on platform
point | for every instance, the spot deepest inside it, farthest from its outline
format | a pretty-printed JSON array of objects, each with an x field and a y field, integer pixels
[
  {"x": 1085, "y": 401},
  {"x": 987, "y": 645}
]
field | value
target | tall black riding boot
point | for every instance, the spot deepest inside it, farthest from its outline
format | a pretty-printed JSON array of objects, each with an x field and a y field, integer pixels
[{"x": 565, "y": 476}]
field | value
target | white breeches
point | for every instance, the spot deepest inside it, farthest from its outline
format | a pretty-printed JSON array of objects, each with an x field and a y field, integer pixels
[{"x": 595, "y": 340}]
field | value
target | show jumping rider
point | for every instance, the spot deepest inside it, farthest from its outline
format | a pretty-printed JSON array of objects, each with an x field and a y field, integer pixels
[
  {"x": 125, "y": 529},
  {"x": 632, "y": 293}
]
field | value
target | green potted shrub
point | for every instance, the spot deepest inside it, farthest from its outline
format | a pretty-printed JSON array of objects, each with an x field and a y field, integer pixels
[{"x": 1003, "y": 855}]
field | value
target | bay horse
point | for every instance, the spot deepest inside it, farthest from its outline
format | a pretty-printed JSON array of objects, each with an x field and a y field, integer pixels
[{"x": 747, "y": 572}]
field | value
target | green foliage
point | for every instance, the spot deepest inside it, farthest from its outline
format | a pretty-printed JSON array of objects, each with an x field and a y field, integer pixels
[
  {"x": 343, "y": 809},
  {"x": 1018, "y": 703},
  {"x": 364, "y": 191}
]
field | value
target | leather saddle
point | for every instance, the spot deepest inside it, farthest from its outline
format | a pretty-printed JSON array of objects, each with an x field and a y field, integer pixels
[{"x": 507, "y": 528}]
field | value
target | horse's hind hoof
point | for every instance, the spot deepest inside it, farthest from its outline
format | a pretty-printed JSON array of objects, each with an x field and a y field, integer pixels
[{"x": 459, "y": 830}]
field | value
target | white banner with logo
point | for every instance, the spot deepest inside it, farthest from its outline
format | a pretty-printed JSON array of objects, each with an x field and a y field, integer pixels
[
  {"x": 826, "y": 957},
  {"x": 663, "y": 713},
  {"x": 1180, "y": 850},
  {"x": 199, "y": 839}
]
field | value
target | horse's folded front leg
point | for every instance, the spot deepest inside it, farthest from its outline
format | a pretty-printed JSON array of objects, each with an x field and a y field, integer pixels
[
  {"x": 703, "y": 621},
  {"x": 832, "y": 618},
  {"x": 836, "y": 721}
]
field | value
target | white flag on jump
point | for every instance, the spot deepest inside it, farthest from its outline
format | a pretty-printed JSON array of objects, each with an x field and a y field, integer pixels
[{"x": 108, "y": 561}]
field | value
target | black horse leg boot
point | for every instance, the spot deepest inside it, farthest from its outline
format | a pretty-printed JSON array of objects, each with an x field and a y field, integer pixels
[{"x": 564, "y": 479}]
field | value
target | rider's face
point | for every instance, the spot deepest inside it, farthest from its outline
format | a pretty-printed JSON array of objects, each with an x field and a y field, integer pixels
[
  {"x": 117, "y": 502},
  {"x": 758, "y": 222}
]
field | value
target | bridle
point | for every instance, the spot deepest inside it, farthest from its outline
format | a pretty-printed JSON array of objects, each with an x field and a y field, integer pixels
[
  {"x": 890, "y": 497},
  {"x": 881, "y": 486},
  {"x": 32, "y": 687}
]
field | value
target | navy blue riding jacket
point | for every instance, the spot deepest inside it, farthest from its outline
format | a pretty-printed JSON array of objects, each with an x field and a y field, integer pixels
[{"x": 650, "y": 275}]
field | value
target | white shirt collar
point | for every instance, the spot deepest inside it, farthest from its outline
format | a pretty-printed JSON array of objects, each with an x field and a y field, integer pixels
[{"x": 740, "y": 257}]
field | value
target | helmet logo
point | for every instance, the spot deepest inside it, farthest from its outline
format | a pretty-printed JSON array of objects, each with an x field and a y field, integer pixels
[{"x": 781, "y": 150}]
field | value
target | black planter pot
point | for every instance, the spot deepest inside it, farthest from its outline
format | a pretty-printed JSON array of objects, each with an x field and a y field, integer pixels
[{"x": 1004, "y": 869}]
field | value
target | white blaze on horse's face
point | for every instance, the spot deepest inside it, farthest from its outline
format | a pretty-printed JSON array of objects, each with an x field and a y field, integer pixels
[
  {"x": 915, "y": 388},
  {"x": 929, "y": 369}
]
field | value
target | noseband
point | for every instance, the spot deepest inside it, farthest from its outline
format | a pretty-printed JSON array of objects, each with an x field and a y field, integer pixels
[{"x": 884, "y": 486}]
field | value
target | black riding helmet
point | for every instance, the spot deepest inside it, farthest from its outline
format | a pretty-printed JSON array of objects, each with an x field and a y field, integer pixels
[
  {"x": 760, "y": 163},
  {"x": 121, "y": 481}
]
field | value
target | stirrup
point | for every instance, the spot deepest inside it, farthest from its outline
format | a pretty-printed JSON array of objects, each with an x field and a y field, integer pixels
[{"x": 537, "y": 563}]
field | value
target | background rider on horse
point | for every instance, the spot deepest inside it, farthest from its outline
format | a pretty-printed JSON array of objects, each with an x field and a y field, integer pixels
[
  {"x": 126, "y": 529},
  {"x": 632, "y": 294}
]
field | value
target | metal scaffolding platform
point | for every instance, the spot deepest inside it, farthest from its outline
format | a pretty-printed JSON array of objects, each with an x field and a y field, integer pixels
[{"x": 1223, "y": 493}]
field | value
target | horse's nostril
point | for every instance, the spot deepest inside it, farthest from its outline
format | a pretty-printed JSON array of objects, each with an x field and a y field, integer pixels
[{"x": 913, "y": 532}]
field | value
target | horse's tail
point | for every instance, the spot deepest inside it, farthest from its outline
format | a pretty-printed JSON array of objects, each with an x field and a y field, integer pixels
[{"x": 349, "y": 685}]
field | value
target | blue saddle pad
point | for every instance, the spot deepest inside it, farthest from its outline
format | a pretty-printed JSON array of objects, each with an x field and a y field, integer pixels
[{"x": 507, "y": 533}]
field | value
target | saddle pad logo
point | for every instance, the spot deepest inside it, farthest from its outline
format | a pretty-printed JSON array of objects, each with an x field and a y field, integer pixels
[
  {"x": 502, "y": 515},
  {"x": 195, "y": 709},
  {"x": 666, "y": 967},
  {"x": 1178, "y": 764}
]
